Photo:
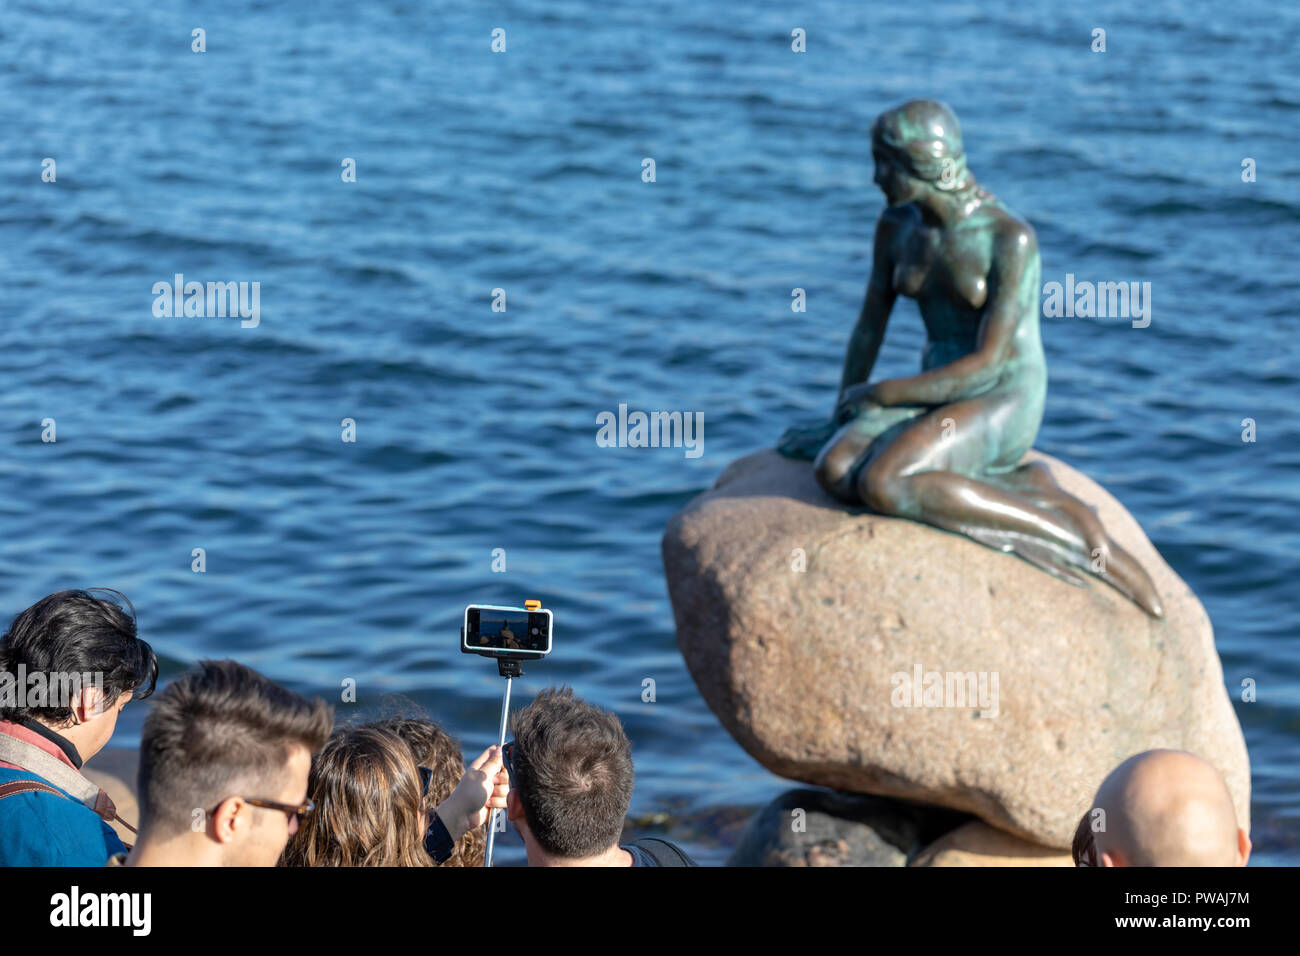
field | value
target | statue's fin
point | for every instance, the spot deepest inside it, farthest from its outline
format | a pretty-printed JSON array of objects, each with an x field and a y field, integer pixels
[{"x": 1038, "y": 553}]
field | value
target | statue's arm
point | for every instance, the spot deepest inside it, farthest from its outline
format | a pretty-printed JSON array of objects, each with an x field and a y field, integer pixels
[
  {"x": 864, "y": 345},
  {"x": 1015, "y": 255},
  {"x": 869, "y": 332}
]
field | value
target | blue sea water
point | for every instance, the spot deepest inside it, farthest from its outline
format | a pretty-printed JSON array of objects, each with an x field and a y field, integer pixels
[{"x": 476, "y": 429}]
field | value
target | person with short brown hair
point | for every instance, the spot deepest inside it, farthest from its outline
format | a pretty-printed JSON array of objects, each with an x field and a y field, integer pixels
[
  {"x": 224, "y": 759},
  {"x": 571, "y": 780}
]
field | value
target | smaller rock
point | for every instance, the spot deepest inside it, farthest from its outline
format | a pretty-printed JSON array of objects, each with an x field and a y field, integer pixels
[
  {"x": 978, "y": 844},
  {"x": 840, "y": 829}
]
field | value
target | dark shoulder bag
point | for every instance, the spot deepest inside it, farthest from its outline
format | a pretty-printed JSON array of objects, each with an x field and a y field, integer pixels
[{"x": 663, "y": 852}]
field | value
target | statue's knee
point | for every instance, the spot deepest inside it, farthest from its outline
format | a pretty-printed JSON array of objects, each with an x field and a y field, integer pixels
[
  {"x": 828, "y": 469},
  {"x": 834, "y": 473},
  {"x": 881, "y": 490}
]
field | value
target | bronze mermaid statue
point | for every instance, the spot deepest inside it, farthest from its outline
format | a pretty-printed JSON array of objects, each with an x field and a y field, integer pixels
[{"x": 945, "y": 447}]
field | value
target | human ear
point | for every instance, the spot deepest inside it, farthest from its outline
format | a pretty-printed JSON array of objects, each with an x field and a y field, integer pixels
[
  {"x": 88, "y": 704},
  {"x": 226, "y": 821}
]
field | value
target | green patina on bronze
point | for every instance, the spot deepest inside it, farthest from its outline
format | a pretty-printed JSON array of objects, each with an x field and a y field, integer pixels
[{"x": 945, "y": 447}]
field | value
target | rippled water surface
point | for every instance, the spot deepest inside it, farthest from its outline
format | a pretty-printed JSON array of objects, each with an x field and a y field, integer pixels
[{"x": 522, "y": 171}]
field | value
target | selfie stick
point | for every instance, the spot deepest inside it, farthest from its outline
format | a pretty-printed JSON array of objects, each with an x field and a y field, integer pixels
[{"x": 509, "y": 669}]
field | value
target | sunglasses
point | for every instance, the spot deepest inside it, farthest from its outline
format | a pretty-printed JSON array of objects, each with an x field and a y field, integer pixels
[
  {"x": 506, "y": 757},
  {"x": 299, "y": 810}
]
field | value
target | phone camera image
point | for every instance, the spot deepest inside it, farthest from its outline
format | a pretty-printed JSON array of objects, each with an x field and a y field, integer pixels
[{"x": 506, "y": 632}]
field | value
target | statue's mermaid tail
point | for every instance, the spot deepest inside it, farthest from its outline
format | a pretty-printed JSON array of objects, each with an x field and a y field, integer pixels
[
  {"x": 1102, "y": 557},
  {"x": 1037, "y": 552},
  {"x": 1117, "y": 568}
]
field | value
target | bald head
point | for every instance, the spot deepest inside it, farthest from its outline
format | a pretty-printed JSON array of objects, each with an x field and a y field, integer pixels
[{"x": 1167, "y": 808}]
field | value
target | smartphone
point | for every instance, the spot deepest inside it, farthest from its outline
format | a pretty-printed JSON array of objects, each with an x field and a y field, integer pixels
[{"x": 495, "y": 631}]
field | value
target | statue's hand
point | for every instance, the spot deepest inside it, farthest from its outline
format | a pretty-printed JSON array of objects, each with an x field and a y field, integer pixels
[
  {"x": 805, "y": 441},
  {"x": 853, "y": 402}
]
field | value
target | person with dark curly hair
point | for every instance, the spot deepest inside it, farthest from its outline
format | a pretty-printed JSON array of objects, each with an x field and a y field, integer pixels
[
  {"x": 441, "y": 767},
  {"x": 68, "y": 665}
]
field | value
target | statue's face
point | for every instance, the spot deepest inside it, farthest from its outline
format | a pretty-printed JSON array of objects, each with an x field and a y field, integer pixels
[{"x": 894, "y": 181}]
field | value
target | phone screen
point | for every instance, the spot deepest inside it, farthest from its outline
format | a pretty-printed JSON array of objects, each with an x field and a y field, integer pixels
[{"x": 507, "y": 629}]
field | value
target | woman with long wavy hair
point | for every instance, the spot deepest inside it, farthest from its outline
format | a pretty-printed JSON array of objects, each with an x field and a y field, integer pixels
[
  {"x": 369, "y": 804},
  {"x": 438, "y": 756}
]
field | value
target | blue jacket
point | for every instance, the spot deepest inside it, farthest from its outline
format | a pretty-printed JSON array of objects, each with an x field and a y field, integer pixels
[{"x": 42, "y": 829}]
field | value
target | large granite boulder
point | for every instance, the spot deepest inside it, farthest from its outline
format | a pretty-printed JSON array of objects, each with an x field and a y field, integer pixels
[{"x": 810, "y": 627}]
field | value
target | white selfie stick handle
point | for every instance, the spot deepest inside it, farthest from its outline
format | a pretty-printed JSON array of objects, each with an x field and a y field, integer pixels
[{"x": 501, "y": 742}]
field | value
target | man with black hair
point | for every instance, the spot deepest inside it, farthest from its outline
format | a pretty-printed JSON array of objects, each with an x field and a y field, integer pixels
[
  {"x": 68, "y": 665},
  {"x": 571, "y": 779}
]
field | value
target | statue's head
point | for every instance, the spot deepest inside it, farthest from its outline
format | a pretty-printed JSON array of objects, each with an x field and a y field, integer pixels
[{"x": 917, "y": 146}]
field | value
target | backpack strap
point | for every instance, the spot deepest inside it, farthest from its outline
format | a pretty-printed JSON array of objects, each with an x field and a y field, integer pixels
[
  {"x": 663, "y": 852},
  {"x": 33, "y": 759},
  {"x": 28, "y": 786},
  {"x": 15, "y": 787}
]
